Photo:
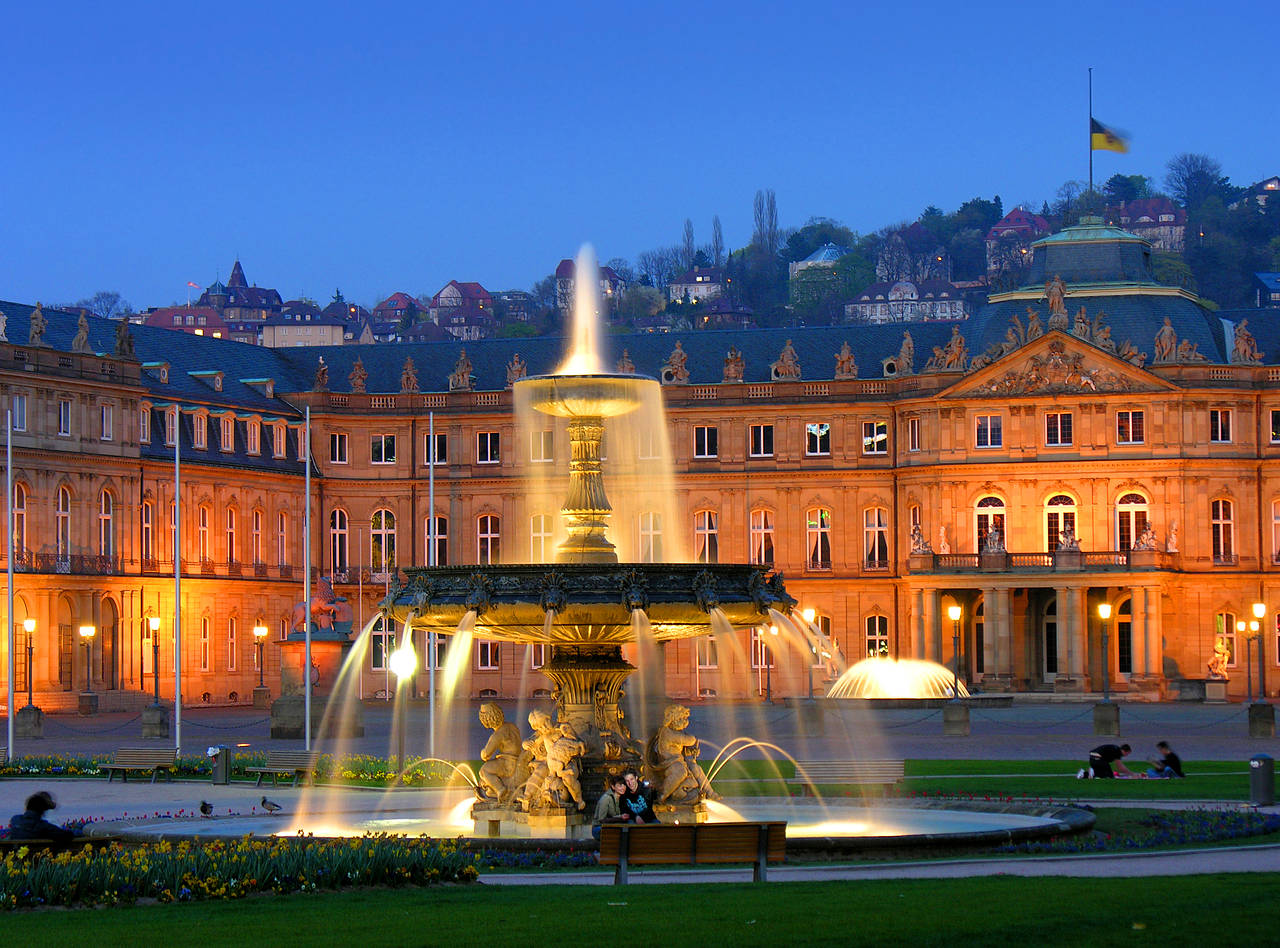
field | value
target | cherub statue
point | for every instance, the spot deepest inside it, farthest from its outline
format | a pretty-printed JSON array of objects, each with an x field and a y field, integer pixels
[
  {"x": 1189, "y": 351},
  {"x": 534, "y": 758},
  {"x": 673, "y": 755},
  {"x": 563, "y": 750},
  {"x": 498, "y": 778}
]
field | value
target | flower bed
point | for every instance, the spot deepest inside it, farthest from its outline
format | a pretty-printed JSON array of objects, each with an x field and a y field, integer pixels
[
  {"x": 188, "y": 872},
  {"x": 1166, "y": 828}
]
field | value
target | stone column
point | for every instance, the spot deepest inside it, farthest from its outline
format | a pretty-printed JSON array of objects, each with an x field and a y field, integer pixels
[
  {"x": 917, "y": 623},
  {"x": 1138, "y": 633},
  {"x": 990, "y": 616},
  {"x": 1079, "y": 597},
  {"x": 933, "y": 633},
  {"x": 1068, "y": 617},
  {"x": 1005, "y": 634}
]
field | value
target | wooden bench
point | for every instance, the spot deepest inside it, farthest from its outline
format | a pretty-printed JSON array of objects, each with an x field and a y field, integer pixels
[
  {"x": 299, "y": 763},
  {"x": 811, "y": 773},
  {"x": 692, "y": 844},
  {"x": 153, "y": 759}
]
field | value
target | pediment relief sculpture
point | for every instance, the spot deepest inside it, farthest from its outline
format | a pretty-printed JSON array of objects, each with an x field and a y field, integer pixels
[{"x": 1058, "y": 370}]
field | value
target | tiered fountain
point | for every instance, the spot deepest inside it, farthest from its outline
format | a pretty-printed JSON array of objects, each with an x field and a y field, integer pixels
[{"x": 585, "y": 606}]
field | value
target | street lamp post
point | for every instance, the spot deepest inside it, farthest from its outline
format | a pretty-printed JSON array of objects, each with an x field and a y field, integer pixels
[
  {"x": 1104, "y": 613},
  {"x": 153, "y": 623},
  {"x": 1248, "y": 651},
  {"x": 260, "y": 636},
  {"x": 953, "y": 612},
  {"x": 88, "y": 700},
  {"x": 766, "y": 655},
  {"x": 1260, "y": 613},
  {"x": 29, "y": 627},
  {"x": 1253, "y": 634}
]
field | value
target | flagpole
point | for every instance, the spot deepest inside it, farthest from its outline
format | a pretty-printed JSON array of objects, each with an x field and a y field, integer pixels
[
  {"x": 1089, "y": 138},
  {"x": 177, "y": 580},
  {"x": 306, "y": 572},
  {"x": 431, "y": 561},
  {"x": 8, "y": 532}
]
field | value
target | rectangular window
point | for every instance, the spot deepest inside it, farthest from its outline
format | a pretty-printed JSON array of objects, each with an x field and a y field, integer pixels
[
  {"x": 171, "y": 427},
  {"x": 706, "y": 651},
  {"x": 440, "y": 455},
  {"x": 488, "y": 539},
  {"x": 817, "y": 440},
  {"x": 1131, "y": 427},
  {"x": 913, "y": 434},
  {"x": 148, "y": 534},
  {"x": 487, "y": 656},
  {"x": 488, "y": 446},
  {"x": 761, "y": 653},
  {"x": 762, "y": 537},
  {"x": 648, "y": 445},
  {"x": 338, "y": 447},
  {"x": 232, "y": 645},
  {"x": 762, "y": 441},
  {"x": 877, "y": 636},
  {"x": 19, "y": 405},
  {"x": 144, "y": 426},
  {"x": 1220, "y": 425},
  {"x": 381, "y": 644},
  {"x": 64, "y": 418},
  {"x": 1275, "y": 426},
  {"x": 1057, "y": 429},
  {"x": 254, "y": 430},
  {"x": 706, "y": 441},
  {"x": 875, "y": 437},
  {"x": 104, "y": 412},
  {"x": 542, "y": 446},
  {"x": 989, "y": 432},
  {"x": 204, "y": 644},
  {"x": 537, "y": 655},
  {"x": 228, "y": 433},
  {"x": 540, "y": 539},
  {"x": 382, "y": 449},
  {"x": 200, "y": 431}
]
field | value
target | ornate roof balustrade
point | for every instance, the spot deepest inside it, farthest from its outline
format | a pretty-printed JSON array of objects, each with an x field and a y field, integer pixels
[{"x": 1063, "y": 561}]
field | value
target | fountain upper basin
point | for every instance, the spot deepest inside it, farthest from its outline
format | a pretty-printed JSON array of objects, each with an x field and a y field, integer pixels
[
  {"x": 592, "y": 604},
  {"x": 586, "y": 396}
]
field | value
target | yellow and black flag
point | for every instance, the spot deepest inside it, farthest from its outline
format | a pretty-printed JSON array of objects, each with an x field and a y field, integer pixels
[{"x": 1102, "y": 138}]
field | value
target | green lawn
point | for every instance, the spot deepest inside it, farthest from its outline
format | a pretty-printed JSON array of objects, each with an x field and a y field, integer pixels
[{"x": 1241, "y": 910}]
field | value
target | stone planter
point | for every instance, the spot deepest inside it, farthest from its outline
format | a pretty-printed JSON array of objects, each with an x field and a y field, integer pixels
[
  {"x": 28, "y": 724},
  {"x": 155, "y": 721}
]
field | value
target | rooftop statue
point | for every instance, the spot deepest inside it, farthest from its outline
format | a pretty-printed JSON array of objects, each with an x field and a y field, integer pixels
[
  {"x": 516, "y": 369},
  {"x": 1055, "y": 292},
  {"x": 1034, "y": 327},
  {"x": 408, "y": 378},
  {"x": 460, "y": 380},
  {"x": 1166, "y": 342},
  {"x": 625, "y": 366},
  {"x": 674, "y": 371},
  {"x": 1244, "y": 351},
  {"x": 124, "y": 339},
  {"x": 358, "y": 376},
  {"x": 907, "y": 355},
  {"x": 846, "y": 365},
  {"x": 788, "y": 364},
  {"x": 1082, "y": 327},
  {"x": 36, "y": 327},
  {"x": 1189, "y": 351},
  {"x": 321, "y": 383},
  {"x": 734, "y": 365},
  {"x": 81, "y": 342},
  {"x": 3, "y": 319}
]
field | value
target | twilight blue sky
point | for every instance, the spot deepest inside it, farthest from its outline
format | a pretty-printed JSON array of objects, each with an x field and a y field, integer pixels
[{"x": 394, "y": 146}]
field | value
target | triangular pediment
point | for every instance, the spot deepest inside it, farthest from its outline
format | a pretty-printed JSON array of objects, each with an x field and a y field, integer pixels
[{"x": 1056, "y": 363}]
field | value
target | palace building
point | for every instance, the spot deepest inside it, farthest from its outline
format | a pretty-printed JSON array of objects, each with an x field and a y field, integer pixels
[{"x": 1091, "y": 438}]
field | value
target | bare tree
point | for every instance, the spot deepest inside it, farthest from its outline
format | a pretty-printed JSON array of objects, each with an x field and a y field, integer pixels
[
  {"x": 1192, "y": 177},
  {"x": 766, "y": 221},
  {"x": 688, "y": 248},
  {"x": 717, "y": 242},
  {"x": 105, "y": 303}
]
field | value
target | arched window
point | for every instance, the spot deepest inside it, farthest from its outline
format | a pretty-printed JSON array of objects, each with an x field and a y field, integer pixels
[
  {"x": 106, "y": 525},
  {"x": 442, "y": 540},
  {"x": 706, "y": 536},
  {"x": 540, "y": 539},
  {"x": 817, "y": 534},
  {"x": 256, "y": 536},
  {"x": 989, "y": 514},
  {"x": 232, "y": 551},
  {"x": 877, "y": 635},
  {"x": 338, "y": 536},
  {"x": 650, "y": 537},
  {"x": 62, "y": 524},
  {"x": 875, "y": 537},
  {"x": 1131, "y": 519},
  {"x": 1059, "y": 517},
  {"x": 202, "y": 534},
  {"x": 762, "y": 537},
  {"x": 19, "y": 520},
  {"x": 1124, "y": 638},
  {"x": 382, "y": 541},
  {"x": 1223, "y": 525},
  {"x": 488, "y": 539}
]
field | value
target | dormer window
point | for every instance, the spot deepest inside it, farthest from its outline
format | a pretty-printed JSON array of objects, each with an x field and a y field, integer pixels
[
  {"x": 200, "y": 431},
  {"x": 277, "y": 441},
  {"x": 171, "y": 427}
]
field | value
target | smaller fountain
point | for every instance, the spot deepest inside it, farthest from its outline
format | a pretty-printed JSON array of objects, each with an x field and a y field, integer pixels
[{"x": 897, "y": 678}]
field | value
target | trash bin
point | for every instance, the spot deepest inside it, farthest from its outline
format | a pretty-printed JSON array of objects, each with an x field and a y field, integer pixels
[
  {"x": 1262, "y": 780},
  {"x": 221, "y": 757}
]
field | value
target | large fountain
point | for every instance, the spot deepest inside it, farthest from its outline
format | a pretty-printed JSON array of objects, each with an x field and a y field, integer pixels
[{"x": 585, "y": 606}]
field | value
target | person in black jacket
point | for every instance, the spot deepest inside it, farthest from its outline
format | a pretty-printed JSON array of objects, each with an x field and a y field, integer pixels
[
  {"x": 1103, "y": 757},
  {"x": 31, "y": 824},
  {"x": 1167, "y": 765},
  {"x": 638, "y": 800}
]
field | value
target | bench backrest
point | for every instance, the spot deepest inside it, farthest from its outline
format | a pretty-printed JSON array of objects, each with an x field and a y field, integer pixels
[
  {"x": 855, "y": 770},
  {"x": 691, "y": 843},
  {"x": 144, "y": 757},
  {"x": 291, "y": 759}
]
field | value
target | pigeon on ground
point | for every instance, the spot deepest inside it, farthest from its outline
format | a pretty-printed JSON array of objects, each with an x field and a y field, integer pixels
[
  {"x": 270, "y": 806},
  {"x": 206, "y": 808}
]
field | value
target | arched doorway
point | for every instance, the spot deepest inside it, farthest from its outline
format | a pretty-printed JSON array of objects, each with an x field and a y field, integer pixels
[{"x": 66, "y": 643}]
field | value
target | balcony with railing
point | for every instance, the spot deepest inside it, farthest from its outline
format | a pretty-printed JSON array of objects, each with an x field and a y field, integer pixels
[
  {"x": 1085, "y": 561},
  {"x": 67, "y": 564}
]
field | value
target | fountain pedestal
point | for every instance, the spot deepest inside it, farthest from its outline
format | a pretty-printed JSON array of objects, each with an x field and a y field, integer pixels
[
  {"x": 493, "y": 820},
  {"x": 28, "y": 724}
]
